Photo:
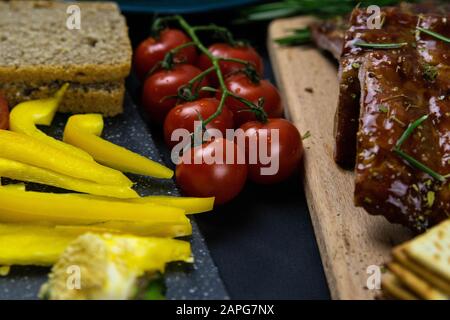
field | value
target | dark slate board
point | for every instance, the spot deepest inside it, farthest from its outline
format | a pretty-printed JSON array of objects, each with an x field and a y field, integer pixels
[{"x": 199, "y": 281}]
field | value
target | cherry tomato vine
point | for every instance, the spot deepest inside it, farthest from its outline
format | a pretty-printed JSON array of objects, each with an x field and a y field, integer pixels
[{"x": 186, "y": 92}]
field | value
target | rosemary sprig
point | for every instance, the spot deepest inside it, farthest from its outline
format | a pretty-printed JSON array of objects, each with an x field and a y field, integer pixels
[
  {"x": 434, "y": 34},
  {"x": 419, "y": 165},
  {"x": 300, "y": 36},
  {"x": 327, "y": 8},
  {"x": 409, "y": 130},
  {"x": 364, "y": 44},
  {"x": 413, "y": 162}
]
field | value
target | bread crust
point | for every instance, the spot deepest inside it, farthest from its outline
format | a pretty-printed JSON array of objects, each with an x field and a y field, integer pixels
[{"x": 106, "y": 98}]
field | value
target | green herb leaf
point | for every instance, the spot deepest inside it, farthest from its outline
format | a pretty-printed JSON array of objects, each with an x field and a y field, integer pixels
[
  {"x": 300, "y": 36},
  {"x": 323, "y": 8},
  {"x": 412, "y": 126},
  {"x": 155, "y": 289},
  {"x": 430, "y": 72},
  {"x": 434, "y": 34},
  {"x": 364, "y": 44},
  {"x": 306, "y": 135},
  {"x": 430, "y": 198},
  {"x": 383, "y": 108},
  {"x": 419, "y": 165},
  {"x": 413, "y": 162}
]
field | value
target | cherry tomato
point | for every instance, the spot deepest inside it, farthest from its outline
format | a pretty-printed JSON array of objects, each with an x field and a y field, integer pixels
[
  {"x": 161, "y": 87},
  {"x": 184, "y": 115},
  {"x": 205, "y": 179},
  {"x": 242, "y": 86},
  {"x": 246, "y": 53},
  {"x": 152, "y": 50},
  {"x": 288, "y": 150},
  {"x": 4, "y": 113}
]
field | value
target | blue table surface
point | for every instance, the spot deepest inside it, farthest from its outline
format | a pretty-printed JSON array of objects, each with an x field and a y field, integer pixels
[
  {"x": 179, "y": 6},
  {"x": 262, "y": 242}
]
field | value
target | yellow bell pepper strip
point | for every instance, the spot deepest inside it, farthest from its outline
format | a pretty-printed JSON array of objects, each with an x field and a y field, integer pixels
[
  {"x": 26, "y": 115},
  {"x": 190, "y": 205},
  {"x": 25, "y": 172},
  {"x": 32, "y": 245},
  {"x": 14, "y": 186},
  {"x": 84, "y": 130},
  {"x": 26, "y": 244},
  {"x": 21, "y": 148},
  {"x": 163, "y": 230},
  {"x": 73, "y": 209},
  {"x": 4, "y": 270}
]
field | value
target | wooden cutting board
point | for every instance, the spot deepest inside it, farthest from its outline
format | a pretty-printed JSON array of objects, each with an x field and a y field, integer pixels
[{"x": 350, "y": 240}]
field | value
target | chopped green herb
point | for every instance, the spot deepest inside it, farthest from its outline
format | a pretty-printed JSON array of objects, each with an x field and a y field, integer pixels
[
  {"x": 383, "y": 108},
  {"x": 356, "y": 65},
  {"x": 367, "y": 200},
  {"x": 306, "y": 135},
  {"x": 430, "y": 198},
  {"x": 155, "y": 289},
  {"x": 430, "y": 72}
]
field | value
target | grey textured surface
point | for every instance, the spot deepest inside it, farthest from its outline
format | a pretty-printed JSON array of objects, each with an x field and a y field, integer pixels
[{"x": 199, "y": 281}]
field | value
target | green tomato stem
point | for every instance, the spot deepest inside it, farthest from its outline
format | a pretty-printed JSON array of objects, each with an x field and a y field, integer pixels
[{"x": 191, "y": 31}]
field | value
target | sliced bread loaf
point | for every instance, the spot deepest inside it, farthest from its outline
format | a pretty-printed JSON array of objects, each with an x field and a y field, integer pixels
[
  {"x": 105, "y": 98},
  {"x": 36, "y": 44},
  {"x": 39, "y": 52}
]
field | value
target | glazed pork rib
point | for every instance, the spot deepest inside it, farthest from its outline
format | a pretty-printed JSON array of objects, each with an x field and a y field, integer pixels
[
  {"x": 398, "y": 86},
  {"x": 398, "y": 26},
  {"x": 329, "y": 35}
]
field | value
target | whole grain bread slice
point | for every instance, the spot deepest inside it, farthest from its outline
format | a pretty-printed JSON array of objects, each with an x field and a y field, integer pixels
[
  {"x": 36, "y": 44},
  {"x": 104, "y": 98}
]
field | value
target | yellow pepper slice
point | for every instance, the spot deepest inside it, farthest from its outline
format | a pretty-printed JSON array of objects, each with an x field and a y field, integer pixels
[
  {"x": 26, "y": 115},
  {"x": 25, "y": 172},
  {"x": 24, "y": 244},
  {"x": 155, "y": 229},
  {"x": 74, "y": 209},
  {"x": 190, "y": 205},
  {"x": 25, "y": 149},
  {"x": 14, "y": 186},
  {"x": 32, "y": 245},
  {"x": 4, "y": 270},
  {"x": 84, "y": 130}
]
